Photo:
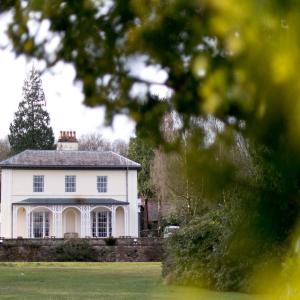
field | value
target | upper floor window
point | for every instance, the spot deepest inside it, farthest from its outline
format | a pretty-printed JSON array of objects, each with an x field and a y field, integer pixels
[
  {"x": 38, "y": 183},
  {"x": 70, "y": 183},
  {"x": 102, "y": 184}
]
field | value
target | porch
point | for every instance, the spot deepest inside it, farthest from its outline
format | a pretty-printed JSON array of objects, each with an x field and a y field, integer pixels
[{"x": 57, "y": 218}]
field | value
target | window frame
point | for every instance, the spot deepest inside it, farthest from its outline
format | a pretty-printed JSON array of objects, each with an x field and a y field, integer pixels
[
  {"x": 70, "y": 183},
  {"x": 39, "y": 224},
  {"x": 101, "y": 224},
  {"x": 101, "y": 184},
  {"x": 38, "y": 183}
]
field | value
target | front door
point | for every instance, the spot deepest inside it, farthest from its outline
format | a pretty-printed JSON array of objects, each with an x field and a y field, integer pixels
[
  {"x": 40, "y": 224},
  {"x": 101, "y": 226}
]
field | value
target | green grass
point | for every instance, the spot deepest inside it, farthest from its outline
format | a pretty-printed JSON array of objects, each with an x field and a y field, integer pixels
[{"x": 96, "y": 281}]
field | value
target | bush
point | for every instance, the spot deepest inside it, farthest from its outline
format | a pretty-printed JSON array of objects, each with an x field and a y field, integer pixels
[
  {"x": 190, "y": 250},
  {"x": 110, "y": 241},
  {"x": 209, "y": 253},
  {"x": 75, "y": 250},
  {"x": 172, "y": 219}
]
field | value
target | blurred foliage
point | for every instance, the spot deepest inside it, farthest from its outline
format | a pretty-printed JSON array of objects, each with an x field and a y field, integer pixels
[
  {"x": 236, "y": 61},
  {"x": 227, "y": 58},
  {"x": 231, "y": 231}
]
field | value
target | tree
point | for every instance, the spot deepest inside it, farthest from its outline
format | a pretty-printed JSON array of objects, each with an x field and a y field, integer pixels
[
  {"x": 120, "y": 146},
  {"x": 5, "y": 150},
  {"x": 174, "y": 187},
  {"x": 93, "y": 142},
  {"x": 96, "y": 142},
  {"x": 31, "y": 128},
  {"x": 142, "y": 152}
]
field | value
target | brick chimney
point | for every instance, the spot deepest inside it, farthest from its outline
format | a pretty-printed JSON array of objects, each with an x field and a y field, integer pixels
[{"x": 67, "y": 141}]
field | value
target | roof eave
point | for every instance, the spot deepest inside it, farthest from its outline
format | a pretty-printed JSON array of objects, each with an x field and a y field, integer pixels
[{"x": 73, "y": 167}]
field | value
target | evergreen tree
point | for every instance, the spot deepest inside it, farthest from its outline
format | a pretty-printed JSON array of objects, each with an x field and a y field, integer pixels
[
  {"x": 31, "y": 128},
  {"x": 141, "y": 151}
]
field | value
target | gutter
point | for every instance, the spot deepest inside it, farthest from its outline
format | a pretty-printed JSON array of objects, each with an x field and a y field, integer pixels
[
  {"x": 127, "y": 185},
  {"x": 64, "y": 167}
]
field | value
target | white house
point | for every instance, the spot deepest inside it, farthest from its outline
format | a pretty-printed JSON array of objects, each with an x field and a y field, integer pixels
[{"x": 68, "y": 192}]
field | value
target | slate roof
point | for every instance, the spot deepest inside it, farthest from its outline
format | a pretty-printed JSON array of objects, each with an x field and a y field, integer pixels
[
  {"x": 58, "y": 159},
  {"x": 70, "y": 201}
]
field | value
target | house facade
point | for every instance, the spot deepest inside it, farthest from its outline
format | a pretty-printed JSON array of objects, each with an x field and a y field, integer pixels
[{"x": 66, "y": 192}]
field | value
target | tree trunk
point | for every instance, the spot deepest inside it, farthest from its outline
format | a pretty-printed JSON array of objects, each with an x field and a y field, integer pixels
[
  {"x": 146, "y": 216},
  {"x": 159, "y": 214}
]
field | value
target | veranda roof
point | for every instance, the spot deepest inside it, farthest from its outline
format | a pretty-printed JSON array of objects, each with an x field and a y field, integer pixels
[{"x": 70, "y": 201}]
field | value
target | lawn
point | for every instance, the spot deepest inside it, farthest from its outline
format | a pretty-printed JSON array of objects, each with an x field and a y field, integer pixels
[{"x": 96, "y": 281}]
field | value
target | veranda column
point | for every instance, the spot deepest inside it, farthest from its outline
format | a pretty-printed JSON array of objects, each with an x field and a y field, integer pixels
[
  {"x": 85, "y": 221},
  {"x": 126, "y": 220},
  {"x": 57, "y": 221},
  {"x": 14, "y": 222},
  {"x": 28, "y": 221},
  {"x": 113, "y": 221},
  {"x": 54, "y": 222},
  {"x": 88, "y": 231}
]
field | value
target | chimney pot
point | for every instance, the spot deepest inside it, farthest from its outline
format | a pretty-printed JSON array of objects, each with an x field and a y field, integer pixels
[{"x": 67, "y": 137}]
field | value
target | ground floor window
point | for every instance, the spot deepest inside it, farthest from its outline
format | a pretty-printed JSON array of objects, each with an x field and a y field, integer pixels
[
  {"x": 39, "y": 224},
  {"x": 101, "y": 224}
]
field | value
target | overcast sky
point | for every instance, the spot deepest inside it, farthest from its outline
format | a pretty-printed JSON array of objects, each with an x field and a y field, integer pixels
[{"x": 63, "y": 98}]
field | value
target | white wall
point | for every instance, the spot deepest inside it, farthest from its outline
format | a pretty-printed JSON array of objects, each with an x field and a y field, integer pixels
[
  {"x": 17, "y": 185},
  {"x": 133, "y": 207},
  {"x": 54, "y": 183},
  {"x": 6, "y": 198}
]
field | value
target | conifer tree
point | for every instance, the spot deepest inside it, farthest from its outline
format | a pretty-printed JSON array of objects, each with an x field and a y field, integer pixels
[{"x": 31, "y": 128}]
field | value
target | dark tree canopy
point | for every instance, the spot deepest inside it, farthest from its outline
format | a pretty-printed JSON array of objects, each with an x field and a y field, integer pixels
[
  {"x": 31, "y": 128},
  {"x": 142, "y": 152}
]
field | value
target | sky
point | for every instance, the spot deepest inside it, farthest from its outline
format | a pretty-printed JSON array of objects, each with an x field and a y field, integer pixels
[{"x": 64, "y": 98}]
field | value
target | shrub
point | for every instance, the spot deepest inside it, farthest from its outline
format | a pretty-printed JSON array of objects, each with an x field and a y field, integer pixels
[
  {"x": 110, "y": 241},
  {"x": 210, "y": 252},
  {"x": 75, "y": 250},
  {"x": 172, "y": 219},
  {"x": 190, "y": 250}
]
